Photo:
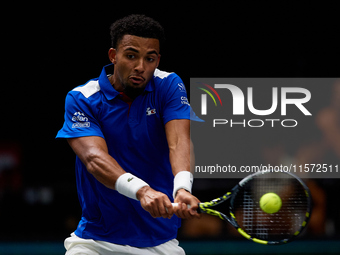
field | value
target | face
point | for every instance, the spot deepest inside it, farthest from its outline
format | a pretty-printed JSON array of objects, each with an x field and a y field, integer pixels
[{"x": 135, "y": 60}]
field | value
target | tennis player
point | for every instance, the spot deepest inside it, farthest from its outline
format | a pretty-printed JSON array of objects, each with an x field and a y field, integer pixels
[{"x": 130, "y": 131}]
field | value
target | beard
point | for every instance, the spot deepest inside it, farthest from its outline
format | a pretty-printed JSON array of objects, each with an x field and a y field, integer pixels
[{"x": 132, "y": 92}]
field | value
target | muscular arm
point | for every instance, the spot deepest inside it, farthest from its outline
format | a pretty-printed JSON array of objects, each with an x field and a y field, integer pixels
[
  {"x": 178, "y": 137},
  {"x": 93, "y": 152}
]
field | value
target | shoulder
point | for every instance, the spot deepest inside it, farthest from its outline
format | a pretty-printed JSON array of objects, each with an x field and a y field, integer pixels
[
  {"x": 161, "y": 74},
  {"x": 88, "y": 89},
  {"x": 87, "y": 95},
  {"x": 168, "y": 80}
]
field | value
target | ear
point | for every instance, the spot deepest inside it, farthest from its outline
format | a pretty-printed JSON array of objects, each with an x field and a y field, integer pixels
[
  {"x": 158, "y": 60},
  {"x": 112, "y": 55}
]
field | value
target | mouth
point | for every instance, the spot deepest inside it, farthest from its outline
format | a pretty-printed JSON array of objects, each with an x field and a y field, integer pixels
[{"x": 136, "y": 80}]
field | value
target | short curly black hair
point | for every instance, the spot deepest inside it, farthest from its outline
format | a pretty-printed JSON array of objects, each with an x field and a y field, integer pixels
[{"x": 138, "y": 25}]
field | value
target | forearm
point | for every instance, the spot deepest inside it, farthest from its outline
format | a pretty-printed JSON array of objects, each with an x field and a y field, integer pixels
[
  {"x": 107, "y": 171},
  {"x": 93, "y": 152},
  {"x": 178, "y": 136},
  {"x": 179, "y": 156},
  {"x": 104, "y": 168}
]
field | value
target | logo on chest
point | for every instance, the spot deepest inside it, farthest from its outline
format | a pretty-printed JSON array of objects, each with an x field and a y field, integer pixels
[{"x": 150, "y": 111}]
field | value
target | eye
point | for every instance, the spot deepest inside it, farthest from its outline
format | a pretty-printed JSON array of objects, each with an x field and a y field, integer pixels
[
  {"x": 130, "y": 56},
  {"x": 150, "y": 59}
]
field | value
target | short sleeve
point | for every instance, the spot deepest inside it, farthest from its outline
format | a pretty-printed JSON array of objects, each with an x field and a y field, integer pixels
[
  {"x": 176, "y": 103},
  {"x": 79, "y": 118}
]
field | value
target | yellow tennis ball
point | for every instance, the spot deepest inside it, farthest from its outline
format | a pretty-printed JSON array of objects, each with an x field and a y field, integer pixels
[{"x": 270, "y": 203}]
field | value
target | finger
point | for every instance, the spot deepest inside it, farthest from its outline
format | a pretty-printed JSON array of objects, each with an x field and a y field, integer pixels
[
  {"x": 178, "y": 210},
  {"x": 169, "y": 209},
  {"x": 155, "y": 209},
  {"x": 186, "y": 212},
  {"x": 183, "y": 211},
  {"x": 162, "y": 210},
  {"x": 165, "y": 208},
  {"x": 193, "y": 212},
  {"x": 152, "y": 212}
]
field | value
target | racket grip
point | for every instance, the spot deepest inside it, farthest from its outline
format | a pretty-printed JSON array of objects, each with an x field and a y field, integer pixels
[{"x": 176, "y": 204}]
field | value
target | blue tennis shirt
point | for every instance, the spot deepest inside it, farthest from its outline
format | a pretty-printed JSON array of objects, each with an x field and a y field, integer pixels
[{"x": 136, "y": 139}]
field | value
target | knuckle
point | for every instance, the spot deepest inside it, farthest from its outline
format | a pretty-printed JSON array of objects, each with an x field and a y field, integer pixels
[{"x": 149, "y": 205}]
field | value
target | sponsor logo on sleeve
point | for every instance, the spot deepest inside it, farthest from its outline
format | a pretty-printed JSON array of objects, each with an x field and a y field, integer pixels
[
  {"x": 181, "y": 87},
  {"x": 184, "y": 100},
  {"x": 80, "y": 120}
]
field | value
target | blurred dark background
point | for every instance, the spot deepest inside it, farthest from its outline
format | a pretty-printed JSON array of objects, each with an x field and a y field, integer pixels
[{"x": 48, "y": 50}]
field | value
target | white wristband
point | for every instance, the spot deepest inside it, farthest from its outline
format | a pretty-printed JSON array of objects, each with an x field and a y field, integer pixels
[
  {"x": 183, "y": 180},
  {"x": 127, "y": 184}
]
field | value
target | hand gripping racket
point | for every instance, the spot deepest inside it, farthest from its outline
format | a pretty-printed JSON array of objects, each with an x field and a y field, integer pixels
[{"x": 243, "y": 211}]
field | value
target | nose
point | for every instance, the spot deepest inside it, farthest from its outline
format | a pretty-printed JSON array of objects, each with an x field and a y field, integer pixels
[{"x": 139, "y": 68}]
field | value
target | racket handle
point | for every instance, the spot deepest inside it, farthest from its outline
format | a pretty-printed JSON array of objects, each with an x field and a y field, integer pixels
[
  {"x": 198, "y": 209},
  {"x": 176, "y": 204}
]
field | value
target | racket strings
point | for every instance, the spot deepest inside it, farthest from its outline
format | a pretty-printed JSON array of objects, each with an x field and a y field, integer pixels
[{"x": 277, "y": 226}]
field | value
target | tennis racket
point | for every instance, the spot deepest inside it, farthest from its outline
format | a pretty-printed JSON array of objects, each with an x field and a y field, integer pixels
[{"x": 242, "y": 208}]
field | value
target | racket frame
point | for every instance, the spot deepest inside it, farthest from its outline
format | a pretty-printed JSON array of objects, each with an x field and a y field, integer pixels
[{"x": 206, "y": 207}]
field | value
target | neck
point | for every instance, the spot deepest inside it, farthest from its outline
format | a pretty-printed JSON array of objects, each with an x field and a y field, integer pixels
[
  {"x": 129, "y": 91},
  {"x": 115, "y": 84}
]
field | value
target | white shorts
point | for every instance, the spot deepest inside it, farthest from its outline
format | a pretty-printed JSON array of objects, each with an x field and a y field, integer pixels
[{"x": 76, "y": 245}]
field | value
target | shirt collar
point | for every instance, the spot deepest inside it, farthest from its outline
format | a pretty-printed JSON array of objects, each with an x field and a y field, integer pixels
[
  {"x": 106, "y": 86},
  {"x": 150, "y": 86}
]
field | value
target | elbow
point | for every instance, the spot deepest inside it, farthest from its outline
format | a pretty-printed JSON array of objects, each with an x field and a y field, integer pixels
[{"x": 91, "y": 161}]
